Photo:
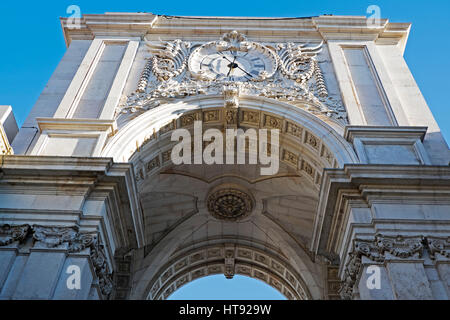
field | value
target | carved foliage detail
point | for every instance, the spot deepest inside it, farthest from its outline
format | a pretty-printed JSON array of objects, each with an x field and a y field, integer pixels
[
  {"x": 296, "y": 76},
  {"x": 231, "y": 96},
  {"x": 376, "y": 250},
  {"x": 54, "y": 236},
  {"x": 169, "y": 59},
  {"x": 438, "y": 246},
  {"x": 9, "y": 234}
]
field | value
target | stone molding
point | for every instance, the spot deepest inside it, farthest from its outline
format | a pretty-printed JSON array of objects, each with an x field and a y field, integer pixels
[
  {"x": 321, "y": 27},
  {"x": 365, "y": 184},
  {"x": 88, "y": 177},
  {"x": 402, "y": 140}
]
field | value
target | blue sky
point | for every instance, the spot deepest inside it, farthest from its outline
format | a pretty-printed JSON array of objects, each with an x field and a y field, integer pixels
[
  {"x": 217, "y": 287},
  {"x": 32, "y": 45}
]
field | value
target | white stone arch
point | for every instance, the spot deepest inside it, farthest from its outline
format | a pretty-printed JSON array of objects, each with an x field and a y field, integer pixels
[
  {"x": 148, "y": 137},
  {"x": 136, "y": 132},
  {"x": 153, "y": 264},
  {"x": 210, "y": 259}
]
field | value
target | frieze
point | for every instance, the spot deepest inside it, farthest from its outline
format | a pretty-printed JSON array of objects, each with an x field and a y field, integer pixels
[
  {"x": 177, "y": 69},
  {"x": 52, "y": 237}
]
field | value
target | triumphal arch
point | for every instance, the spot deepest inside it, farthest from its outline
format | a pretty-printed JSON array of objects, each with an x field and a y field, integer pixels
[{"x": 338, "y": 189}]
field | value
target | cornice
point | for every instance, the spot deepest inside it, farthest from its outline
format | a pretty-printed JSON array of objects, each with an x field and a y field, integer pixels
[
  {"x": 326, "y": 28},
  {"x": 39, "y": 174},
  {"x": 367, "y": 182},
  {"x": 109, "y": 24},
  {"x": 53, "y": 165},
  {"x": 352, "y": 132},
  {"x": 106, "y": 125}
]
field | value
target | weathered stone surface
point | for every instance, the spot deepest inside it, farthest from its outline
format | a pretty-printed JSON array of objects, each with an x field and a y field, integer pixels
[{"x": 363, "y": 181}]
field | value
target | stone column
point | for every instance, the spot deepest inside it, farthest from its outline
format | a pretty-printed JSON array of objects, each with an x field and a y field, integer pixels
[
  {"x": 62, "y": 222},
  {"x": 51, "y": 262},
  {"x": 390, "y": 267},
  {"x": 388, "y": 229}
]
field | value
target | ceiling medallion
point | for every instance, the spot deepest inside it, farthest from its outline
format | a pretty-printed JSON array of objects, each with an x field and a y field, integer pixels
[{"x": 229, "y": 203}]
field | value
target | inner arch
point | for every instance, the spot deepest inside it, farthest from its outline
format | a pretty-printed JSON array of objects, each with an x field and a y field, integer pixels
[
  {"x": 229, "y": 259},
  {"x": 176, "y": 218}
]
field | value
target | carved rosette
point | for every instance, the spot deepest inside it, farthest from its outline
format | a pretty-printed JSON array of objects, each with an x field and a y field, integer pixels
[
  {"x": 377, "y": 250},
  {"x": 229, "y": 203},
  {"x": 10, "y": 234}
]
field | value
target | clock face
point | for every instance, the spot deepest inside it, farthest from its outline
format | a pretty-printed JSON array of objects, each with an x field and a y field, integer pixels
[{"x": 208, "y": 63}]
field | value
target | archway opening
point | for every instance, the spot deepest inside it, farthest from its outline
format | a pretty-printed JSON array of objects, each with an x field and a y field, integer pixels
[
  {"x": 185, "y": 239},
  {"x": 217, "y": 287}
]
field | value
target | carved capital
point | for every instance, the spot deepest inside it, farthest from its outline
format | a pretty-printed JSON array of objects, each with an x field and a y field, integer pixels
[
  {"x": 9, "y": 234},
  {"x": 82, "y": 241},
  {"x": 375, "y": 250},
  {"x": 438, "y": 247},
  {"x": 401, "y": 247},
  {"x": 52, "y": 236}
]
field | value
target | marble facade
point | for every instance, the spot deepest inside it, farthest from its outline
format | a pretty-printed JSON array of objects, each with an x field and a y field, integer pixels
[{"x": 362, "y": 191}]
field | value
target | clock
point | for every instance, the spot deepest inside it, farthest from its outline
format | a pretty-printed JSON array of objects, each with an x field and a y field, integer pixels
[{"x": 244, "y": 61}]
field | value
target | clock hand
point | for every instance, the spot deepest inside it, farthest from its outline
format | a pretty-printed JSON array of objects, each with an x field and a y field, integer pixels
[
  {"x": 237, "y": 66},
  {"x": 226, "y": 58},
  {"x": 231, "y": 66},
  {"x": 245, "y": 72}
]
